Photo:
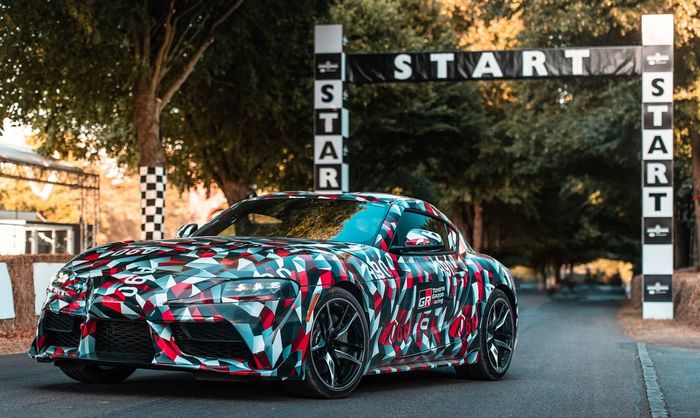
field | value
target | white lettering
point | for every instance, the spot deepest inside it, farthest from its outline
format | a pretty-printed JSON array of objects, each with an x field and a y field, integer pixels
[
  {"x": 656, "y": 173},
  {"x": 657, "y": 113},
  {"x": 402, "y": 67},
  {"x": 577, "y": 56},
  {"x": 328, "y": 118},
  {"x": 533, "y": 60},
  {"x": 487, "y": 64},
  {"x": 135, "y": 280},
  {"x": 442, "y": 59},
  {"x": 328, "y": 178},
  {"x": 378, "y": 269},
  {"x": 128, "y": 291},
  {"x": 424, "y": 323},
  {"x": 133, "y": 251}
]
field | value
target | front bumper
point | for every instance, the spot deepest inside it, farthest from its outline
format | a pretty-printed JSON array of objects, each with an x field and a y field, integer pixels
[{"x": 259, "y": 339}]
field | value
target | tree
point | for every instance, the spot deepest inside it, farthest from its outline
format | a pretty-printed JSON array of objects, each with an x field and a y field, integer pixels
[
  {"x": 244, "y": 122},
  {"x": 398, "y": 148},
  {"x": 484, "y": 179},
  {"x": 94, "y": 75},
  {"x": 687, "y": 111},
  {"x": 567, "y": 121}
]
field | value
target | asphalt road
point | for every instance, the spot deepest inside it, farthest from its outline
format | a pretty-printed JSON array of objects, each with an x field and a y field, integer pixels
[{"x": 572, "y": 359}]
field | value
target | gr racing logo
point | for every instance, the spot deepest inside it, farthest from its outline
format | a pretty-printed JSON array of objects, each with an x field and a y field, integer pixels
[
  {"x": 425, "y": 299},
  {"x": 430, "y": 296}
]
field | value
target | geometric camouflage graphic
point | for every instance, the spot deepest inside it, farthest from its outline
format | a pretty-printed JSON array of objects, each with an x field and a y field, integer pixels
[{"x": 164, "y": 304}]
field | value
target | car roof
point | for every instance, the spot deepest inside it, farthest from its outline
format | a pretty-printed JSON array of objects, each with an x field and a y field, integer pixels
[{"x": 361, "y": 196}]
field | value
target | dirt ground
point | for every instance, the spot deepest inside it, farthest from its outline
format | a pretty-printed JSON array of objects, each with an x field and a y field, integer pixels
[
  {"x": 675, "y": 333},
  {"x": 15, "y": 341},
  {"x": 684, "y": 330}
]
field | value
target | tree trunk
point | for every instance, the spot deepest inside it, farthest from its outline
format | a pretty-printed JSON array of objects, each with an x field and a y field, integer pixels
[
  {"x": 478, "y": 226},
  {"x": 152, "y": 173},
  {"x": 681, "y": 238},
  {"x": 462, "y": 218},
  {"x": 571, "y": 272},
  {"x": 557, "y": 273},
  {"x": 234, "y": 190},
  {"x": 466, "y": 220},
  {"x": 541, "y": 273},
  {"x": 695, "y": 144}
]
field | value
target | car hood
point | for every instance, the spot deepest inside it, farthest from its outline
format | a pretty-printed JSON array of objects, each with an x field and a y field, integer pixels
[
  {"x": 208, "y": 257},
  {"x": 156, "y": 272}
]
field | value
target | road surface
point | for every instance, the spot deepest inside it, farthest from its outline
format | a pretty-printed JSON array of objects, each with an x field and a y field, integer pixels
[{"x": 572, "y": 359}]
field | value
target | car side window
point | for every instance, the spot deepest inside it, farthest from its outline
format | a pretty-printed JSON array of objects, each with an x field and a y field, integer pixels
[{"x": 412, "y": 220}]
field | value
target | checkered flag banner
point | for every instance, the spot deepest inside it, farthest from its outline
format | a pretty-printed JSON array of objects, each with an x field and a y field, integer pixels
[{"x": 153, "y": 181}]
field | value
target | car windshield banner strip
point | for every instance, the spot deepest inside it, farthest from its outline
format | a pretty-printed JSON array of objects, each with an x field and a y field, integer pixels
[{"x": 490, "y": 65}]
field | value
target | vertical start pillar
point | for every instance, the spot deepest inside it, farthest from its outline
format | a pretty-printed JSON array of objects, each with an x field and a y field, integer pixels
[
  {"x": 657, "y": 166},
  {"x": 330, "y": 116}
]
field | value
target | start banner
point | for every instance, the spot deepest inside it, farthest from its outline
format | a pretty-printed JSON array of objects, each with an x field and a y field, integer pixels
[{"x": 490, "y": 65}]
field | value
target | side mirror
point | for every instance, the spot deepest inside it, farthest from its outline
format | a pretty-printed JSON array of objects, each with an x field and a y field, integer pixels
[
  {"x": 186, "y": 230},
  {"x": 420, "y": 239}
]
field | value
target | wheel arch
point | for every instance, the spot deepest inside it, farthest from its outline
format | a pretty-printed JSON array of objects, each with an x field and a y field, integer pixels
[
  {"x": 511, "y": 296},
  {"x": 354, "y": 290}
]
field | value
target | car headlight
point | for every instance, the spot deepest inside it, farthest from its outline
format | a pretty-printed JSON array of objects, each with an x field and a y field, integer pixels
[
  {"x": 245, "y": 290},
  {"x": 257, "y": 289},
  {"x": 64, "y": 284}
]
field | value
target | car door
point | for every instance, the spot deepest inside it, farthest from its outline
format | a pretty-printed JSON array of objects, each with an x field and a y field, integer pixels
[
  {"x": 427, "y": 277},
  {"x": 461, "y": 321}
]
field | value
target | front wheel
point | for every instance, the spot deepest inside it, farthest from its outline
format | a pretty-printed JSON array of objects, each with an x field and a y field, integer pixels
[
  {"x": 93, "y": 373},
  {"x": 496, "y": 340},
  {"x": 337, "y": 352}
]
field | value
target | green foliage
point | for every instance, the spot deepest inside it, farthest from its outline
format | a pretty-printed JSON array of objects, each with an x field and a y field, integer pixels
[
  {"x": 66, "y": 71},
  {"x": 246, "y": 116},
  {"x": 575, "y": 142},
  {"x": 69, "y": 66},
  {"x": 403, "y": 147},
  {"x": 555, "y": 163}
]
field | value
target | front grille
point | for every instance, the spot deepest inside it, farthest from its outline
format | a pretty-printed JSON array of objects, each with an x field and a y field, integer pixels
[
  {"x": 210, "y": 339},
  {"x": 126, "y": 340},
  {"x": 62, "y": 330}
]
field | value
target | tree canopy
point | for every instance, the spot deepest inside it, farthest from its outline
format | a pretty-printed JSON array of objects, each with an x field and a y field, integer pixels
[{"x": 540, "y": 172}]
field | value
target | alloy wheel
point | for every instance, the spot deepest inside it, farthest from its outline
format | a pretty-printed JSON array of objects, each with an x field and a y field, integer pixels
[
  {"x": 338, "y": 344},
  {"x": 500, "y": 335}
]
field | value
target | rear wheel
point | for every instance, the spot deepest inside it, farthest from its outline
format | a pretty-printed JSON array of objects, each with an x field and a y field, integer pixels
[
  {"x": 94, "y": 373},
  {"x": 496, "y": 340},
  {"x": 337, "y": 352}
]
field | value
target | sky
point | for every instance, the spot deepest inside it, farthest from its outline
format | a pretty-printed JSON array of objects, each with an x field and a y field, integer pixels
[{"x": 14, "y": 135}]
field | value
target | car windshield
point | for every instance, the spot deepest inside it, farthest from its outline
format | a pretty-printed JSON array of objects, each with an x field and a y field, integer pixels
[{"x": 336, "y": 220}]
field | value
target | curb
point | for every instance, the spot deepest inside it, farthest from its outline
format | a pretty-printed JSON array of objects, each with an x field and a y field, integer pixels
[{"x": 655, "y": 398}]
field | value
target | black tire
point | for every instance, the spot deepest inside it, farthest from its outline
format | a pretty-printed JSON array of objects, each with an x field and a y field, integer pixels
[
  {"x": 93, "y": 373},
  {"x": 316, "y": 380},
  {"x": 485, "y": 368}
]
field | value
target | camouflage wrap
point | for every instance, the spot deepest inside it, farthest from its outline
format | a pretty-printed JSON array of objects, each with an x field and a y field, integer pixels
[{"x": 164, "y": 284}]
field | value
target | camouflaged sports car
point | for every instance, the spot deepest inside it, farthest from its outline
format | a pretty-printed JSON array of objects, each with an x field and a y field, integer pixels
[{"x": 314, "y": 290}]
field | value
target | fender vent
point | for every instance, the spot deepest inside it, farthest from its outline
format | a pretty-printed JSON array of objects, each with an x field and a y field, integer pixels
[{"x": 279, "y": 316}]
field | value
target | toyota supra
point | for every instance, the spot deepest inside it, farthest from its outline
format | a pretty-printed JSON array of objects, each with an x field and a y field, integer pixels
[{"x": 314, "y": 290}]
